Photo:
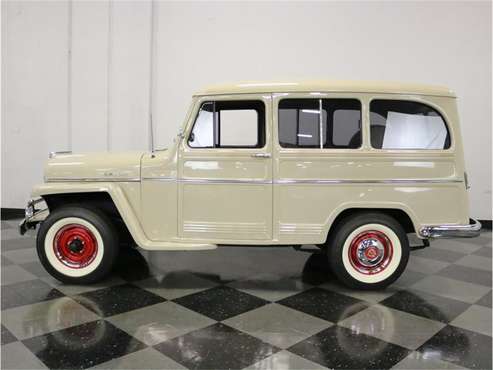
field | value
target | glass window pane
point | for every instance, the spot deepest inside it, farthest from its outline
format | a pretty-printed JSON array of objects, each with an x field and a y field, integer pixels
[
  {"x": 344, "y": 125},
  {"x": 202, "y": 134},
  {"x": 398, "y": 124},
  {"x": 299, "y": 123},
  {"x": 238, "y": 127}
]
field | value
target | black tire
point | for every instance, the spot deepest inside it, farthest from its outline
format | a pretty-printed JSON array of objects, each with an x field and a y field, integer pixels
[
  {"x": 341, "y": 262},
  {"x": 105, "y": 254}
]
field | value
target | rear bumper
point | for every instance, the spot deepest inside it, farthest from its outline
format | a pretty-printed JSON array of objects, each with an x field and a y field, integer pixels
[{"x": 452, "y": 231}]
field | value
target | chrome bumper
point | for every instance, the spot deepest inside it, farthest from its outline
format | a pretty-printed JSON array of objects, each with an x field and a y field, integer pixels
[
  {"x": 452, "y": 231},
  {"x": 33, "y": 215}
]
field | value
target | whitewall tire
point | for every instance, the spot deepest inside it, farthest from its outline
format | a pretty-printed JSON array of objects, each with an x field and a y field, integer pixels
[
  {"x": 77, "y": 245},
  {"x": 368, "y": 251}
]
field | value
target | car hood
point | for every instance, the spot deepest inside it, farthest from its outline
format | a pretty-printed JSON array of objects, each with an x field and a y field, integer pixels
[{"x": 104, "y": 166}]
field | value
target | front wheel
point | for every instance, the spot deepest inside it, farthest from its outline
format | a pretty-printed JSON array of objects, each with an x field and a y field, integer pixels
[
  {"x": 77, "y": 245},
  {"x": 368, "y": 251}
]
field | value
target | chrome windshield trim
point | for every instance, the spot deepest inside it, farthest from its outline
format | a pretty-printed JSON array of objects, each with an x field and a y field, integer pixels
[
  {"x": 452, "y": 231},
  {"x": 93, "y": 179},
  {"x": 349, "y": 181}
]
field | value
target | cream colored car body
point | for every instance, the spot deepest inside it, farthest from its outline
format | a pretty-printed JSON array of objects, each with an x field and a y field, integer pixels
[{"x": 187, "y": 198}]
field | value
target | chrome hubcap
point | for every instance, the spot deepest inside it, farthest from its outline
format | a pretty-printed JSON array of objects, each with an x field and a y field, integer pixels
[{"x": 370, "y": 252}]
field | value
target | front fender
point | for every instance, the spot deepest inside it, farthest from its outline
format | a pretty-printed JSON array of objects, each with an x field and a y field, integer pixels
[
  {"x": 124, "y": 207},
  {"x": 113, "y": 189}
]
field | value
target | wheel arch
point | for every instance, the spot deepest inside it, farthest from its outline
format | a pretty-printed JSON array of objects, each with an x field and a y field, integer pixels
[
  {"x": 107, "y": 198},
  {"x": 401, "y": 214}
]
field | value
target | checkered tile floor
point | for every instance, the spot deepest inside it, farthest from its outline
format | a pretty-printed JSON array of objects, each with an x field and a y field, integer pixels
[{"x": 255, "y": 308}]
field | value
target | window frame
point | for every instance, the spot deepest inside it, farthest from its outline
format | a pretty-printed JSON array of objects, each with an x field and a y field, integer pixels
[
  {"x": 214, "y": 100},
  {"x": 428, "y": 104},
  {"x": 320, "y": 97}
]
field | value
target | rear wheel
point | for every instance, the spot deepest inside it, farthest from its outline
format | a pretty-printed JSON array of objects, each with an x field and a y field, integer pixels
[
  {"x": 77, "y": 245},
  {"x": 368, "y": 251}
]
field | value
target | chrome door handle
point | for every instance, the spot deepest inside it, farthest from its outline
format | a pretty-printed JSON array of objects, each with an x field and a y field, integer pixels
[{"x": 261, "y": 155}]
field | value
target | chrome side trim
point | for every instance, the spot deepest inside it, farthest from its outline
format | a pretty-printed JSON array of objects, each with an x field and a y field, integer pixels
[
  {"x": 94, "y": 179},
  {"x": 452, "y": 231},
  {"x": 224, "y": 181},
  {"x": 387, "y": 181},
  {"x": 159, "y": 178},
  {"x": 302, "y": 181}
]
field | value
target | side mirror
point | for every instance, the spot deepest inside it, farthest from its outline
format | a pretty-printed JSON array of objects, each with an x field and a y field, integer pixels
[{"x": 191, "y": 138}]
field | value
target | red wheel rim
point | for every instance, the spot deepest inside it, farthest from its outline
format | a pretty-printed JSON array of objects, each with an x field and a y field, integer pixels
[
  {"x": 370, "y": 252},
  {"x": 75, "y": 246}
]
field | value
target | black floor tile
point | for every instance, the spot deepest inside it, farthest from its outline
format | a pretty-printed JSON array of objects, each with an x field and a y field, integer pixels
[
  {"x": 341, "y": 348},
  {"x": 484, "y": 252},
  {"x": 485, "y": 301},
  {"x": 27, "y": 292},
  {"x": 117, "y": 299},
  {"x": 438, "y": 254},
  {"x": 82, "y": 346},
  {"x": 467, "y": 274},
  {"x": 221, "y": 303},
  {"x": 7, "y": 336},
  {"x": 426, "y": 305},
  {"x": 325, "y": 304},
  {"x": 460, "y": 346},
  {"x": 216, "y": 347}
]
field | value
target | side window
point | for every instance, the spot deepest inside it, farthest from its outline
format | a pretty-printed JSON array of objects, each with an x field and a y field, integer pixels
[
  {"x": 229, "y": 124},
  {"x": 319, "y": 123},
  {"x": 400, "y": 124},
  {"x": 299, "y": 123}
]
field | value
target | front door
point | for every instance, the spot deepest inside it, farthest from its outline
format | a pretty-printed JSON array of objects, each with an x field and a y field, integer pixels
[{"x": 225, "y": 171}]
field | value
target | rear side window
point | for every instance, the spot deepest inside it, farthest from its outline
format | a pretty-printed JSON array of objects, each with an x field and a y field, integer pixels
[
  {"x": 319, "y": 123},
  {"x": 229, "y": 124},
  {"x": 400, "y": 124}
]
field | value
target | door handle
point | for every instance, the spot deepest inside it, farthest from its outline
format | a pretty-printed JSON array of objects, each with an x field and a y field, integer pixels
[{"x": 261, "y": 155}]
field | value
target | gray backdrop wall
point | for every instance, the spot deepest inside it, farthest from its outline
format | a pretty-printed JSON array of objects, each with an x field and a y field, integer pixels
[{"x": 86, "y": 76}]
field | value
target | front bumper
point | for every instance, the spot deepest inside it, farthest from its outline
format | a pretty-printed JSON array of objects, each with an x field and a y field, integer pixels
[
  {"x": 452, "y": 231},
  {"x": 33, "y": 215}
]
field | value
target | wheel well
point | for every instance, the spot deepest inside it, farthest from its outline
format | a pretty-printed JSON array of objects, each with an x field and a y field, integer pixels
[
  {"x": 93, "y": 200},
  {"x": 398, "y": 214}
]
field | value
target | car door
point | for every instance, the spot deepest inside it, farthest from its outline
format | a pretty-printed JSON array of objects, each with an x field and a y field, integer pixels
[{"x": 225, "y": 170}]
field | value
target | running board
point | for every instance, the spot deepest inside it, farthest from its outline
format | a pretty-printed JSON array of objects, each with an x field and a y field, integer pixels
[{"x": 176, "y": 246}]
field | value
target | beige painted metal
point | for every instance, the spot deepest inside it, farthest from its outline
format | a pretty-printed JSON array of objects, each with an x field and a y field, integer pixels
[
  {"x": 195, "y": 198},
  {"x": 378, "y": 87}
]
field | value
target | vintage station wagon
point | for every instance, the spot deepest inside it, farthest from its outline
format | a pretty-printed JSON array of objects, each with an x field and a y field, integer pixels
[{"x": 351, "y": 168}]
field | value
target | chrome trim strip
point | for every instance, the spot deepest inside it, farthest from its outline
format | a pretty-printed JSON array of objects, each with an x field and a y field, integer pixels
[
  {"x": 301, "y": 181},
  {"x": 388, "y": 181},
  {"x": 224, "y": 181},
  {"x": 159, "y": 178},
  {"x": 452, "y": 231},
  {"x": 94, "y": 179}
]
